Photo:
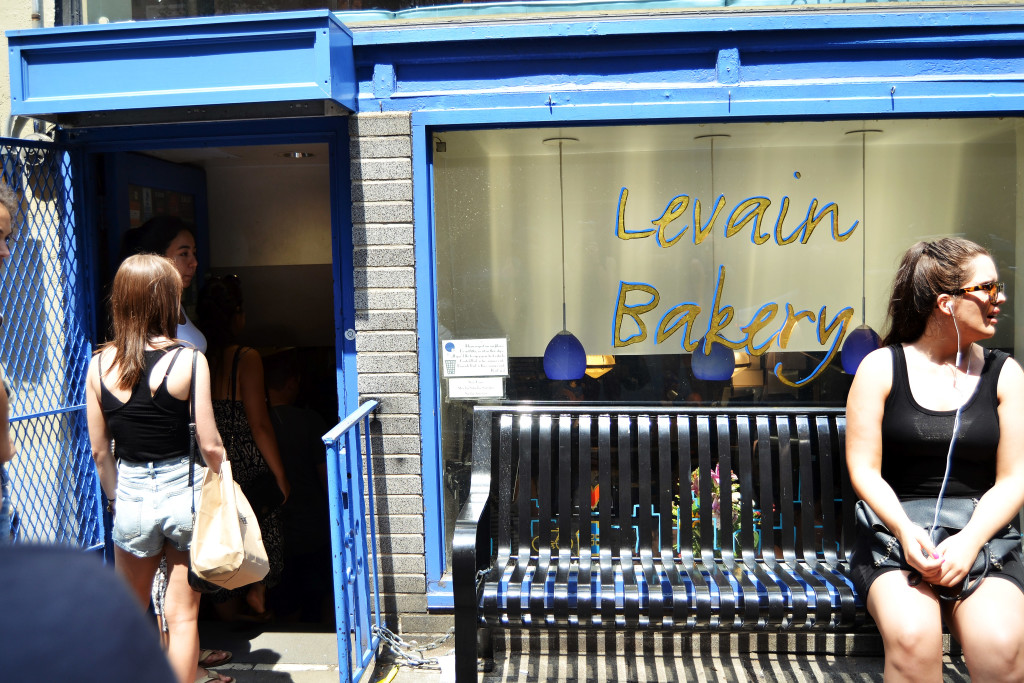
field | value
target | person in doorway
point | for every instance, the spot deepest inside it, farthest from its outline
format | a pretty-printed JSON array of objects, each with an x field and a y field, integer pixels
[
  {"x": 306, "y": 584},
  {"x": 172, "y": 238},
  {"x": 8, "y": 209},
  {"x": 137, "y": 395},
  {"x": 902, "y": 413},
  {"x": 239, "y": 401}
]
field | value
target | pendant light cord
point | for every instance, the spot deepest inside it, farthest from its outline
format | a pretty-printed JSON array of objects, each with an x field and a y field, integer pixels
[
  {"x": 561, "y": 209},
  {"x": 863, "y": 229}
]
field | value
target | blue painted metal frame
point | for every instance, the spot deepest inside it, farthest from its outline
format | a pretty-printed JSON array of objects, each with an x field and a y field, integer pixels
[
  {"x": 58, "y": 487},
  {"x": 356, "y": 589},
  {"x": 276, "y": 57}
]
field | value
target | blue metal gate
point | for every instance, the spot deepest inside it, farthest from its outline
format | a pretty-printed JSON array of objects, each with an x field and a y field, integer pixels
[
  {"x": 354, "y": 542},
  {"x": 45, "y": 352}
]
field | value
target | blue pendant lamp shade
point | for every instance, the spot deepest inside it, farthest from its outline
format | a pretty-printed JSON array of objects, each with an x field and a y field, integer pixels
[
  {"x": 715, "y": 364},
  {"x": 564, "y": 357},
  {"x": 858, "y": 344}
]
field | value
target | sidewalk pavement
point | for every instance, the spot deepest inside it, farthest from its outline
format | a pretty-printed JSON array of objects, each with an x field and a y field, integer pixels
[{"x": 270, "y": 654}]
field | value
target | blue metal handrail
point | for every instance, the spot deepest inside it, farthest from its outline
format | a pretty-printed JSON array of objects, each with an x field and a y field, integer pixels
[{"x": 356, "y": 589}]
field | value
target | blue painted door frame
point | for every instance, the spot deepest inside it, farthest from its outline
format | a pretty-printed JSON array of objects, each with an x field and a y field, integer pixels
[{"x": 330, "y": 130}]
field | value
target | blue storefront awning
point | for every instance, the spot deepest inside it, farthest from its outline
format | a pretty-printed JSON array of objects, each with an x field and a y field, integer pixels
[{"x": 247, "y": 66}]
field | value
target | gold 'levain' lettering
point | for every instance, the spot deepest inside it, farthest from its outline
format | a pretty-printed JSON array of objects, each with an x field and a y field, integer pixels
[
  {"x": 674, "y": 210},
  {"x": 620, "y": 230},
  {"x": 750, "y": 210}
]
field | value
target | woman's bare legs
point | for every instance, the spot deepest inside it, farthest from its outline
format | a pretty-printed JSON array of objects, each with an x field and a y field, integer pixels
[
  {"x": 910, "y": 620},
  {"x": 182, "y": 613},
  {"x": 256, "y": 598},
  {"x": 990, "y": 627}
]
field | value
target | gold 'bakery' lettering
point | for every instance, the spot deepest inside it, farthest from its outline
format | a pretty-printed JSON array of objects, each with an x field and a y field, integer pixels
[{"x": 683, "y": 317}]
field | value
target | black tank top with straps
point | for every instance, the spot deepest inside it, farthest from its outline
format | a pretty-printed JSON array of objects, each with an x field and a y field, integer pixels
[
  {"x": 149, "y": 426},
  {"x": 915, "y": 440}
]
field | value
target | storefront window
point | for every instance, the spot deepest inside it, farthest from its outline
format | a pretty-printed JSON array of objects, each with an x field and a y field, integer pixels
[{"x": 773, "y": 240}]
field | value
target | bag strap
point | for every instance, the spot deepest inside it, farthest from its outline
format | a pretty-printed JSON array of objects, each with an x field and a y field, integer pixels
[
  {"x": 968, "y": 587},
  {"x": 192, "y": 432},
  {"x": 234, "y": 377}
]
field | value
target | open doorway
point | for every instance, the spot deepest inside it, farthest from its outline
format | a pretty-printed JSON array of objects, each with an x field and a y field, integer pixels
[{"x": 261, "y": 216}]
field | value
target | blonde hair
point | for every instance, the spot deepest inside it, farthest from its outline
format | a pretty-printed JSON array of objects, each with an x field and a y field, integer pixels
[{"x": 144, "y": 303}]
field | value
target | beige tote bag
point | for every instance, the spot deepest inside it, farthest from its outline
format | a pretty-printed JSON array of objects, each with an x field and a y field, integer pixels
[{"x": 227, "y": 546}]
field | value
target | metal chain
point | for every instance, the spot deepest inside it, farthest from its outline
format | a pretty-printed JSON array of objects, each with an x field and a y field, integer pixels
[{"x": 404, "y": 651}]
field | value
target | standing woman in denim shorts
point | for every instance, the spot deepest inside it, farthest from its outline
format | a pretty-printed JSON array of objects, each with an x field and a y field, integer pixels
[{"x": 138, "y": 395}]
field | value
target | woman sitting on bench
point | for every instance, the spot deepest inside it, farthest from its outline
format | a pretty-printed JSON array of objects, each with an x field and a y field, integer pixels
[{"x": 936, "y": 416}]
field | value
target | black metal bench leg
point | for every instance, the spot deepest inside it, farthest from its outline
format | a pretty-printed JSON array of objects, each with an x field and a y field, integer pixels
[
  {"x": 465, "y": 653},
  {"x": 485, "y": 647}
]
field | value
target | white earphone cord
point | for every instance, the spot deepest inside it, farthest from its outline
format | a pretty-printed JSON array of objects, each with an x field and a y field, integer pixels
[{"x": 956, "y": 429}]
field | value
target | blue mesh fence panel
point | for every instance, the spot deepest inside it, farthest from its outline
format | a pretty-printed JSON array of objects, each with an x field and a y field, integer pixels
[{"x": 45, "y": 353}]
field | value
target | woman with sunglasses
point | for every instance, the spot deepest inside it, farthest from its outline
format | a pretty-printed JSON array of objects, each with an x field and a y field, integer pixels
[{"x": 901, "y": 412}]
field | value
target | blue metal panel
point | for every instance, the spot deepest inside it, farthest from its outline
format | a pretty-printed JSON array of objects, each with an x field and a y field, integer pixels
[
  {"x": 668, "y": 22},
  {"x": 177, "y": 63},
  {"x": 702, "y": 66}
]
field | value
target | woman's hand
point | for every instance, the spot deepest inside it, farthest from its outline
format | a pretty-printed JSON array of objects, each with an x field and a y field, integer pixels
[
  {"x": 921, "y": 553},
  {"x": 959, "y": 552},
  {"x": 286, "y": 488}
]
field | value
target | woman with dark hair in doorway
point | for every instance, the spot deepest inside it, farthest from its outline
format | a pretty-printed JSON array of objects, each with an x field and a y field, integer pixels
[
  {"x": 137, "y": 395},
  {"x": 174, "y": 239},
  {"x": 239, "y": 402},
  {"x": 934, "y": 415}
]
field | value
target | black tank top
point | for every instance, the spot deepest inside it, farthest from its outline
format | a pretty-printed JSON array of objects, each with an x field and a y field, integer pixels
[
  {"x": 915, "y": 440},
  {"x": 148, "y": 428}
]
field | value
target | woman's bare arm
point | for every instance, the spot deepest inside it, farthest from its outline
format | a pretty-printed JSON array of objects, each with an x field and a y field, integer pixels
[
  {"x": 864, "y": 409},
  {"x": 251, "y": 390}
]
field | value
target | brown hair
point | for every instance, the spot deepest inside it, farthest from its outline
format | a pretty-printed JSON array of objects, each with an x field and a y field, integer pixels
[
  {"x": 144, "y": 303},
  {"x": 927, "y": 270},
  {"x": 8, "y": 199}
]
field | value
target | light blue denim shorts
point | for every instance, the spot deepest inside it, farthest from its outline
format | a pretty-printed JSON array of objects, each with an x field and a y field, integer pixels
[{"x": 154, "y": 505}]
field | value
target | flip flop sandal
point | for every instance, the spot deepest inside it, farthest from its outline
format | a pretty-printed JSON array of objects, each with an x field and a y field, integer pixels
[
  {"x": 219, "y": 657},
  {"x": 212, "y": 677}
]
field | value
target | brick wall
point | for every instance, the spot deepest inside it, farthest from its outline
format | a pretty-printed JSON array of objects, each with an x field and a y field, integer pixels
[{"x": 386, "y": 358}]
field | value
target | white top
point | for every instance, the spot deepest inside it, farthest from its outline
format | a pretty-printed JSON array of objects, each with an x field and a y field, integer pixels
[{"x": 188, "y": 332}]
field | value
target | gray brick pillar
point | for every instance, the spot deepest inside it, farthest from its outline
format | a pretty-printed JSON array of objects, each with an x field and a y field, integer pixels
[{"x": 386, "y": 358}]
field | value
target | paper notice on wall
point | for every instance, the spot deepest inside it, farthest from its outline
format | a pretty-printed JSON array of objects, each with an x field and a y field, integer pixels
[
  {"x": 476, "y": 387},
  {"x": 475, "y": 357}
]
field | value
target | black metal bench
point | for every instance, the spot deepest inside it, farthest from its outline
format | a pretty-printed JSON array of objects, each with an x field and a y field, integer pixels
[{"x": 650, "y": 558}]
